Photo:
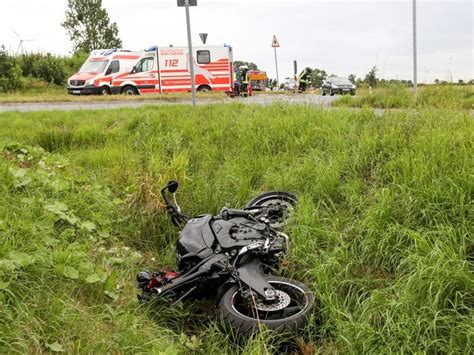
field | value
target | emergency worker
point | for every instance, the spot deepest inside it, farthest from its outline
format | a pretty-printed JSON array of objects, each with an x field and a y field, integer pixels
[
  {"x": 304, "y": 79},
  {"x": 237, "y": 80},
  {"x": 245, "y": 79}
]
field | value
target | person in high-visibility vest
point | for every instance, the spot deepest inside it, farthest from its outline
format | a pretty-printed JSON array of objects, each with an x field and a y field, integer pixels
[
  {"x": 237, "y": 81},
  {"x": 245, "y": 79},
  {"x": 304, "y": 79}
]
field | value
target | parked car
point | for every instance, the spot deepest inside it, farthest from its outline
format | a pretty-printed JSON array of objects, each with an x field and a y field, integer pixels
[
  {"x": 289, "y": 84},
  {"x": 338, "y": 86}
]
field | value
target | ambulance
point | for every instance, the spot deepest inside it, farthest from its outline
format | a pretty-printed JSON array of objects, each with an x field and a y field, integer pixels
[
  {"x": 167, "y": 69},
  {"x": 100, "y": 68}
]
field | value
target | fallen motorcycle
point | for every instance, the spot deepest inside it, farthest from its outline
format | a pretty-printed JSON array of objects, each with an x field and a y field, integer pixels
[{"x": 230, "y": 257}]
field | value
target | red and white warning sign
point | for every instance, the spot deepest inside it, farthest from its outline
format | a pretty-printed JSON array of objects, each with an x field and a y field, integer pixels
[{"x": 275, "y": 43}]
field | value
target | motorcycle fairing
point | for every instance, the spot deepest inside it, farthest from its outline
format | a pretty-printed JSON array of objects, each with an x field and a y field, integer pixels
[{"x": 196, "y": 237}]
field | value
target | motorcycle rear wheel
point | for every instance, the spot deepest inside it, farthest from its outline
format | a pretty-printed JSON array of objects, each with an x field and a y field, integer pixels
[
  {"x": 288, "y": 314},
  {"x": 285, "y": 201}
]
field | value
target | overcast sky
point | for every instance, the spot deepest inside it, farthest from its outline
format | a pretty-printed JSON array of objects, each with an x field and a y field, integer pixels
[{"x": 342, "y": 37}]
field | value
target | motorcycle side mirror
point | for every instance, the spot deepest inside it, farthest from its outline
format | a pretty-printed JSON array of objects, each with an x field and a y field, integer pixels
[{"x": 172, "y": 186}]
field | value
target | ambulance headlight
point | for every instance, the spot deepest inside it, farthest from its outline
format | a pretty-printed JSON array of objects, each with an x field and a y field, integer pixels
[{"x": 90, "y": 82}]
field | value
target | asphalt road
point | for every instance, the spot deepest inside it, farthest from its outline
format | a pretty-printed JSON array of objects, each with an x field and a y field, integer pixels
[{"x": 262, "y": 99}]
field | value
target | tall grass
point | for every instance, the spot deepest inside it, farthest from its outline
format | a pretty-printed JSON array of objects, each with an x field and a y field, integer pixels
[
  {"x": 398, "y": 96},
  {"x": 383, "y": 234}
]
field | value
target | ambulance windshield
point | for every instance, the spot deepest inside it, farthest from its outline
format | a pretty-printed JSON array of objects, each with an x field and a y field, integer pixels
[{"x": 94, "y": 66}]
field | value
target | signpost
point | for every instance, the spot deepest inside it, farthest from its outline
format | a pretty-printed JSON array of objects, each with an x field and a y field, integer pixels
[
  {"x": 415, "y": 69},
  {"x": 187, "y": 4},
  {"x": 295, "y": 70},
  {"x": 275, "y": 45}
]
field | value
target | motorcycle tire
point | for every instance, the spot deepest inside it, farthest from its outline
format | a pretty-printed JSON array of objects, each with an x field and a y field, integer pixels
[
  {"x": 289, "y": 314},
  {"x": 286, "y": 200}
]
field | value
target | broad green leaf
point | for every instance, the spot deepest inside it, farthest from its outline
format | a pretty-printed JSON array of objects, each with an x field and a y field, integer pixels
[
  {"x": 56, "y": 347},
  {"x": 112, "y": 295},
  {"x": 20, "y": 259},
  {"x": 93, "y": 279},
  {"x": 7, "y": 265},
  {"x": 111, "y": 283},
  {"x": 104, "y": 233},
  {"x": 70, "y": 272},
  {"x": 4, "y": 285},
  {"x": 57, "y": 207},
  {"x": 18, "y": 172},
  {"x": 88, "y": 225},
  {"x": 116, "y": 261}
]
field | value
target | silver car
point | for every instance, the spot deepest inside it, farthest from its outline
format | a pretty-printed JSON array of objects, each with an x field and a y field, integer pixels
[{"x": 338, "y": 86}]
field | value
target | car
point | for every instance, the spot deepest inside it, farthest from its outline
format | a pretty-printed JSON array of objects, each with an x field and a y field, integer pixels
[
  {"x": 289, "y": 84},
  {"x": 338, "y": 86}
]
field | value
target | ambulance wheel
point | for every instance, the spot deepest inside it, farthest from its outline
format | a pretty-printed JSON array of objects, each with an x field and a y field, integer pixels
[
  {"x": 204, "y": 88},
  {"x": 104, "y": 90},
  {"x": 331, "y": 93},
  {"x": 323, "y": 92},
  {"x": 129, "y": 91}
]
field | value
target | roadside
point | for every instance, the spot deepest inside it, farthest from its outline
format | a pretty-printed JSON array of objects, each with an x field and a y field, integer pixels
[{"x": 205, "y": 99}]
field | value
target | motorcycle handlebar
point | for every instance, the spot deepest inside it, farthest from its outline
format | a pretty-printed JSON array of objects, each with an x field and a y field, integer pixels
[{"x": 228, "y": 213}]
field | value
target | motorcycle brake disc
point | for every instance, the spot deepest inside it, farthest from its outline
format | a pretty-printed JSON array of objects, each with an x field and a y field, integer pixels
[
  {"x": 282, "y": 301},
  {"x": 285, "y": 208}
]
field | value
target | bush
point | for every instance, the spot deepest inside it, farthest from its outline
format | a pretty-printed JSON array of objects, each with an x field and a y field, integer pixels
[
  {"x": 10, "y": 72},
  {"x": 46, "y": 67}
]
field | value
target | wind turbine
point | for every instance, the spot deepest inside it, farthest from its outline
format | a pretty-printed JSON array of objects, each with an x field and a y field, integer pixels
[{"x": 21, "y": 41}]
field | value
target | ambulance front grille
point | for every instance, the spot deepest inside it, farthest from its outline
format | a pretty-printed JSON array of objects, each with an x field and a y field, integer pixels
[{"x": 77, "y": 82}]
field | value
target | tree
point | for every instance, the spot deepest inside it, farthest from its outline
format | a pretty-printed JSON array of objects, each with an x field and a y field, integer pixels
[
  {"x": 317, "y": 77},
  {"x": 352, "y": 79},
  {"x": 371, "y": 77},
  {"x": 250, "y": 65},
  {"x": 89, "y": 26}
]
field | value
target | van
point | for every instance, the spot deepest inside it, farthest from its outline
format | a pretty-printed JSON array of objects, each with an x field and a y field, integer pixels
[
  {"x": 167, "y": 69},
  {"x": 101, "y": 67}
]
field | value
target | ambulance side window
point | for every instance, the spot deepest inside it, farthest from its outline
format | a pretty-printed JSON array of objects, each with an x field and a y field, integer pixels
[
  {"x": 146, "y": 64},
  {"x": 203, "y": 57},
  {"x": 114, "y": 67}
]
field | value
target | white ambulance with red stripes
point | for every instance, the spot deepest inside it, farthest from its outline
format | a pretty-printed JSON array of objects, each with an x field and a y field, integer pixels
[
  {"x": 100, "y": 68},
  {"x": 167, "y": 69}
]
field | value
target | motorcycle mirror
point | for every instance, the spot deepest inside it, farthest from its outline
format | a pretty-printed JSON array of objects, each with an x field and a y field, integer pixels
[{"x": 172, "y": 186}]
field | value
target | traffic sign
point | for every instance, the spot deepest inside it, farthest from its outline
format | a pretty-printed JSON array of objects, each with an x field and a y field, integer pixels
[
  {"x": 191, "y": 2},
  {"x": 203, "y": 37},
  {"x": 275, "y": 43}
]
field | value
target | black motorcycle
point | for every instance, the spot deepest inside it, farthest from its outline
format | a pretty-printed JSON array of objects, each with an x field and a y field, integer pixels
[{"x": 231, "y": 257}]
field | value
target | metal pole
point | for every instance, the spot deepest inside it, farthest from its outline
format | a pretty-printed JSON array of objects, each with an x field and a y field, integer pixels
[
  {"x": 190, "y": 50},
  {"x": 276, "y": 66},
  {"x": 415, "y": 80}
]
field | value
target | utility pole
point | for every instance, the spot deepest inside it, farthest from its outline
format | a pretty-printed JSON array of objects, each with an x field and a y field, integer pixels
[
  {"x": 415, "y": 79},
  {"x": 187, "y": 4}
]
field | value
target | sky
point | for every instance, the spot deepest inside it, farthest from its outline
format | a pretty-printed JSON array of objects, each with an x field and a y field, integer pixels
[{"x": 341, "y": 37}]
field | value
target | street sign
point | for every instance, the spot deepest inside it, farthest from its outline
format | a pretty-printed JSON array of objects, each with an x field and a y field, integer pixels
[
  {"x": 191, "y": 3},
  {"x": 275, "y": 43},
  {"x": 203, "y": 37}
]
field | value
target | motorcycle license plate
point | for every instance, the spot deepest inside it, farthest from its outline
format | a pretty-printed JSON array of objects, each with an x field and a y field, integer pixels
[{"x": 76, "y": 92}]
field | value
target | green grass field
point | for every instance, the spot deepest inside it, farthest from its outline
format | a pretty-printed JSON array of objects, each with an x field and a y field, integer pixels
[
  {"x": 383, "y": 233},
  {"x": 433, "y": 96}
]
